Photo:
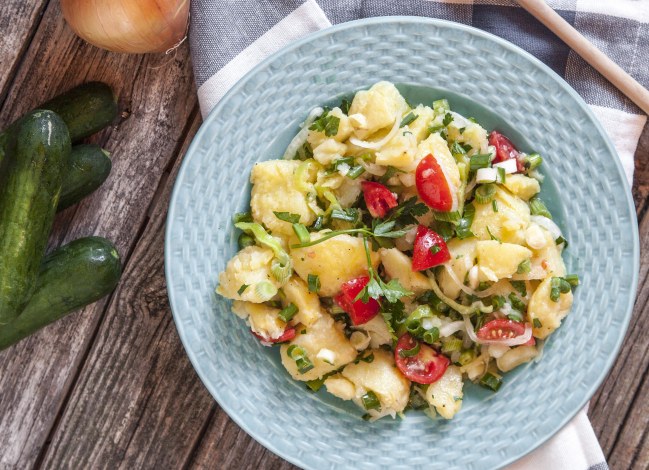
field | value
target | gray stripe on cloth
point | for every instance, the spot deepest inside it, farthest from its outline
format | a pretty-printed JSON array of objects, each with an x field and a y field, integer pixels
[
  {"x": 599, "y": 466},
  {"x": 341, "y": 11},
  {"x": 221, "y": 29}
]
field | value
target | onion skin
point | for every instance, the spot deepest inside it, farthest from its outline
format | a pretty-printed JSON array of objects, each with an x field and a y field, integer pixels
[{"x": 131, "y": 26}]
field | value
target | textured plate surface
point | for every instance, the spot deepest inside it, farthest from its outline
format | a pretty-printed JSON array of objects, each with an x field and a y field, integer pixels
[{"x": 483, "y": 76}]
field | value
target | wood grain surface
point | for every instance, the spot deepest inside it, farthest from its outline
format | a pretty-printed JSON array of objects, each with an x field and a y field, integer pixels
[{"x": 111, "y": 386}]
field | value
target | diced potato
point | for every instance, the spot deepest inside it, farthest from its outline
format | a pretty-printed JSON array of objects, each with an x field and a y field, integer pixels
[
  {"x": 382, "y": 377},
  {"x": 473, "y": 134},
  {"x": 419, "y": 127},
  {"x": 334, "y": 261},
  {"x": 438, "y": 147},
  {"x": 308, "y": 303},
  {"x": 263, "y": 320},
  {"x": 548, "y": 312},
  {"x": 399, "y": 151},
  {"x": 501, "y": 258},
  {"x": 522, "y": 186},
  {"x": 515, "y": 357},
  {"x": 250, "y": 267},
  {"x": 399, "y": 266},
  {"x": 348, "y": 191},
  {"x": 274, "y": 189},
  {"x": 508, "y": 224},
  {"x": 340, "y": 387},
  {"x": 378, "y": 331},
  {"x": 446, "y": 394},
  {"x": 345, "y": 128},
  {"x": 546, "y": 261},
  {"x": 323, "y": 334},
  {"x": 379, "y": 105},
  {"x": 329, "y": 151},
  {"x": 463, "y": 254}
]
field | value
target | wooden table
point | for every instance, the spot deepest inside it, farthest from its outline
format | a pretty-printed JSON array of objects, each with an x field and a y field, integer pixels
[{"x": 111, "y": 386}]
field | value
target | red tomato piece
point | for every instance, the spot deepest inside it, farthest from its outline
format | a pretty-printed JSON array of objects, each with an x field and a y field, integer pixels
[
  {"x": 425, "y": 367},
  {"x": 432, "y": 186},
  {"x": 429, "y": 249},
  {"x": 505, "y": 150},
  {"x": 500, "y": 328},
  {"x": 288, "y": 335},
  {"x": 378, "y": 198},
  {"x": 358, "y": 311}
]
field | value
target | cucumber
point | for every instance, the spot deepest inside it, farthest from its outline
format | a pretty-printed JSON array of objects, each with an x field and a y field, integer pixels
[
  {"x": 71, "y": 277},
  {"x": 89, "y": 167},
  {"x": 86, "y": 109},
  {"x": 30, "y": 185}
]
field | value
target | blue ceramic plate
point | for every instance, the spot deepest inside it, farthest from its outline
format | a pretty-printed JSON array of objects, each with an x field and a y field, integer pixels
[{"x": 482, "y": 76}]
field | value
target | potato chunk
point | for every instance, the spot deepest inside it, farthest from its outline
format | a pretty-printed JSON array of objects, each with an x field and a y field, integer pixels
[
  {"x": 249, "y": 267},
  {"x": 329, "y": 151},
  {"x": 463, "y": 254},
  {"x": 548, "y": 312},
  {"x": 522, "y": 186},
  {"x": 263, "y": 320},
  {"x": 399, "y": 151},
  {"x": 399, "y": 266},
  {"x": 379, "y": 105},
  {"x": 323, "y": 334},
  {"x": 500, "y": 258},
  {"x": 446, "y": 394},
  {"x": 308, "y": 303},
  {"x": 382, "y": 377},
  {"x": 334, "y": 261},
  {"x": 377, "y": 330},
  {"x": 508, "y": 224},
  {"x": 546, "y": 261},
  {"x": 274, "y": 189},
  {"x": 419, "y": 127}
]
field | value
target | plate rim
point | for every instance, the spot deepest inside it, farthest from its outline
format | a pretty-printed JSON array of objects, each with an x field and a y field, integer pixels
[{"x": 191, "y": 151}]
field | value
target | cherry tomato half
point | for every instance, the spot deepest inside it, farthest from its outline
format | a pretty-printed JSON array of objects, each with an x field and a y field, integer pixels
[
  {"x": 358, "y": 311},
  {"x": 432, "y": 185},
  {"x": 429, "y": 249},
  {"x": 500, "y": 328},
  {"x": 378, "y": 198},
  {"x": 424, "y": 367},
  {"x": 505, "y": 150},
  {"x": 288, "y": 335}
]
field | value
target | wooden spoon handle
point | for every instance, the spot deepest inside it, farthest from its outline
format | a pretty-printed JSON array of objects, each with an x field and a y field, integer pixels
[{"x": 591, "y": 54}]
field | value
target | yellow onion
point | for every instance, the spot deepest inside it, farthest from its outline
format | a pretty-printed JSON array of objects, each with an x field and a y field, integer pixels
[{"x": 136, "y": 26}]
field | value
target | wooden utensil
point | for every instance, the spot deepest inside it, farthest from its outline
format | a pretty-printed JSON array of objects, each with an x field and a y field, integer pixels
[{"x": 591, "y": 54}]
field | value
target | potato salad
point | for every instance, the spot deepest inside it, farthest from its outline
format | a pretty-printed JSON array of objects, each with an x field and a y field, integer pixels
[{"x": 396, "y": 251}]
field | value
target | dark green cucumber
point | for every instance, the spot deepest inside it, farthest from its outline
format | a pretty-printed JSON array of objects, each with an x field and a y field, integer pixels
[
  {"x": 86, "y": 109},
  {"x": 30, "y": 185},
  {"x": 71, "y": 277},
  {"x": 89, "y": 167}
]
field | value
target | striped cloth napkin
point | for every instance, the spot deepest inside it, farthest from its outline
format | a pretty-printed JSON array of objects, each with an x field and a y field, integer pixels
[{"x": 230, "y": 37}]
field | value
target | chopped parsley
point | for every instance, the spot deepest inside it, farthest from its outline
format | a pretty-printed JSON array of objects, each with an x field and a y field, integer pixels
[{"x": 326, "y": 123}]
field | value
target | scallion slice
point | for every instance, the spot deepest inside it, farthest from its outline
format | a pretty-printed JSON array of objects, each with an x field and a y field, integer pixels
[
  {"x": 517, "y": 303},
  {"x": 371, "y": 401},
  {"x": 410, "y": 117},
  {"x": 435, "y": 249},
  {"x": 572, "y": 279},
  {"x": 242, "y": 289},
  {"x": 245, "y": 240},
  {"x": 481, "y": 160},
  {"x": 520, "y": 287},
  {"x": 515, "y": 315},
  {"x": 355, "y": 172},
  {"x": 299, "y": 355},
  {"x": 537, "y": 323},
  {"x": 532, "y": 161},
  {"x": 441, "y": 106},
  {"x": 242, "y": 217},
  {"x": 537, "y": 207},
  {"x": 288, "y": 313},
  {"x": 485, "y": 193},
  {"x": 412, "y": 351},
  {"x": 287, "y": 217},
  {"x": 524, "y": 267},
  {"x": 314, "y": 283},
  {"x": 451, "y": 344},
  {"x": 302, "y": 233},
  {"x": 431, "y": 336},
  {"x": 491, "y": 382}
]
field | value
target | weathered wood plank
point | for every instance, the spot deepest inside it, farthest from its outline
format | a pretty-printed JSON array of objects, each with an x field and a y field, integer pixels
[
  {"x": 18, "y": 22},
  {"x": 36, "y": 375},
  {"x": 153, "y": 407}
]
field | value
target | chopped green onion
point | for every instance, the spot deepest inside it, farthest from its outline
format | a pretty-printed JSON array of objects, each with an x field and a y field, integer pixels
[
  {"x": 355, "y": 172},
  {"x": 494, "y": 205},
  {"x": 245, "y": 240},
  {"x": 287, "y": 217},
  {"x": 369, "y": 358},
  {"x": 448, "y": 118},
  {"x": 435, "y": 249},
  {"x": 497, "y": 301},
  {"x": 451, "y": 344},
  {"x": 485, "y": 193},
  {"x": 441, "y": 106},
  {"x": 288, "y": 313},
  {"x": 242, "y": 217},
  {"x": 515, "y": 315},
  {"x": 431, "y": 336},
  {"x": 282, "y": 266},
  {"x": 411, "y": 352},
  {"x": 298, "y": 354},
  {"x": 483, "y": 285},
  {"x": 532, "y": 161},
  {"x": 480, "y": 160},
  {"x": 345, "y": 105},
  {"x": 537, "y": 323},
  {"x": 315, "y": 385},
  {"x": 537, "y": 207},
  {"x": 561, "y": 240},
  {"x": 463, "y": 228},
  {"x": 502, "y": 176},
  {"x": 430, "y": 298},
  {"x": 466, "y": 356},
  {"x": 491, "y": 382},
  {"x": 242, "y": 289},
  {"x": 517, "y": 303},
  {"x": 572, "y": 279},
  {"x": 524, "y": 267},
  {"x": 371, "y": 401},
  {"x": 520, "y": 287},
  {"x": 302, "y": 233},
  {"x": 318, "y": 223},
  {"x": 408, "y": 119},
  {"x": 314, "y": 283},
  {"x": 413, "y": 322},
  {"x": 492, "y": 236}
]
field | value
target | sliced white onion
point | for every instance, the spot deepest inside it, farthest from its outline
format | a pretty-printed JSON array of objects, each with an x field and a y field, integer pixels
[
  {"x": 343, "y": 169},
  {"x": 486, "y": 175},
  {"x": 411, "y": 234},
  {"x": 300, "y": 138},
  {"x": 326, "y": 355},
  {"x": 379, "y": 143},
  {"x": 451, "y": 328},
  {"x": 459, "y": 121},
  {"x": 469, "y": 187},
  {"x": 510, "y": 166},
  {"x": 547, "y": 224},
  {"x": 374, "y": 169},
  {"x": 474, "y": 281},
  {"x": 497, "y": 350},
  {"x": 466, "y": 289},
  {"x": 522, "y": 339},
  {"x": 537, "y": 175}
]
